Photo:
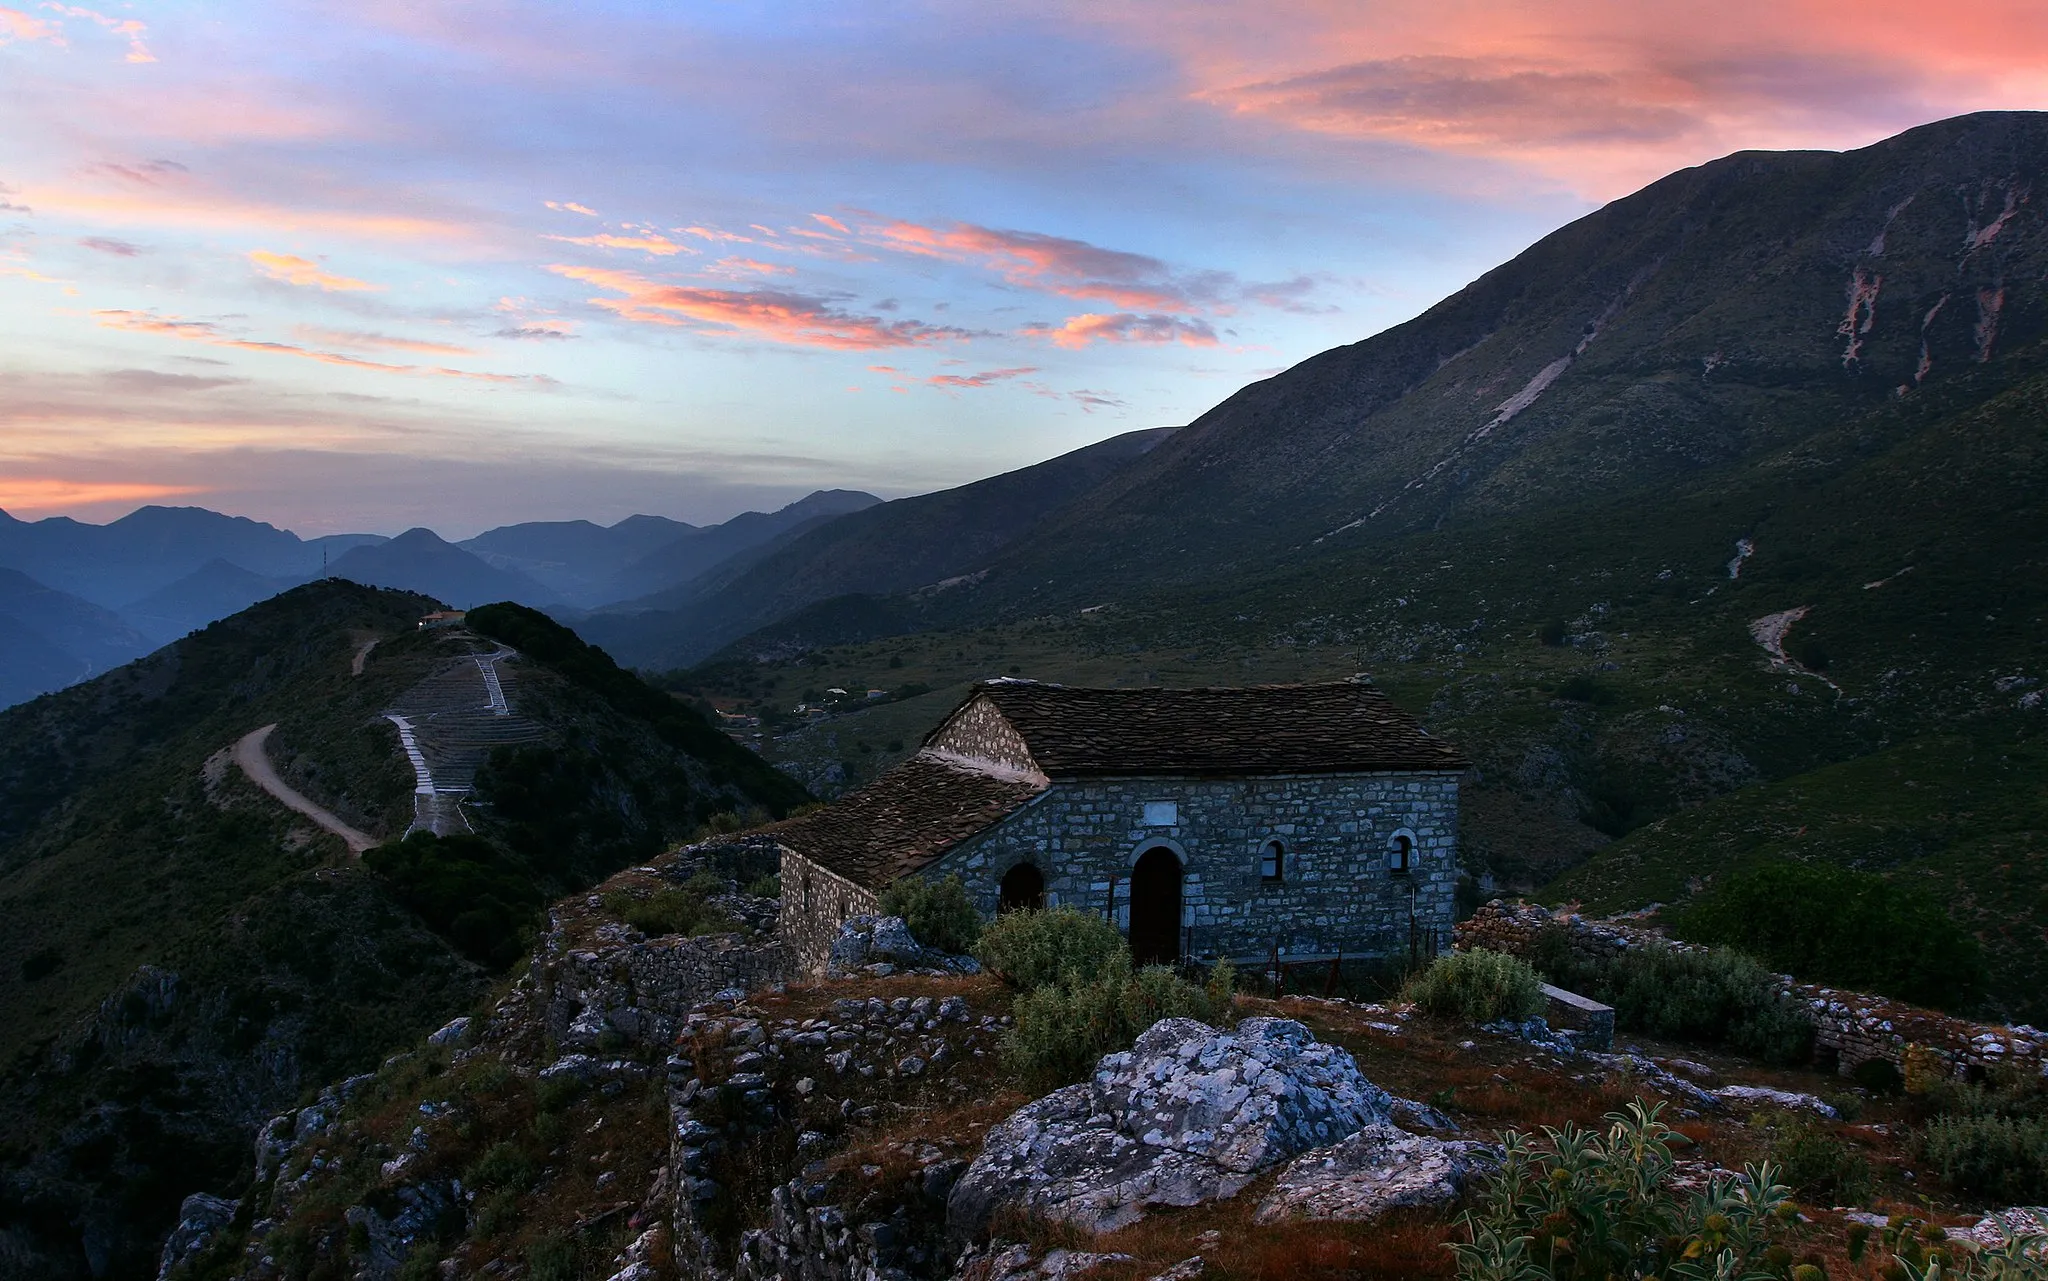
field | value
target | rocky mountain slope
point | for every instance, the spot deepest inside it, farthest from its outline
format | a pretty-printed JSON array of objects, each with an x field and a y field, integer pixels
[
  {"x": 745, "y": 536},
  {"x": 183, "y": 954}
]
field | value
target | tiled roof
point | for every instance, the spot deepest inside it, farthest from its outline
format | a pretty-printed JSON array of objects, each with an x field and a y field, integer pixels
[
  {"x": 903, "y": 820},
  {"x": 1339, "y": 727}
]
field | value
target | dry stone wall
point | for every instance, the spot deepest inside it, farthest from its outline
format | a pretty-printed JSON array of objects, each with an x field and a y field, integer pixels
[
  {"x": 643, "y": 991},
  {"x": 814, "y": 904},
  {"x": 1849, "y": 1027}
]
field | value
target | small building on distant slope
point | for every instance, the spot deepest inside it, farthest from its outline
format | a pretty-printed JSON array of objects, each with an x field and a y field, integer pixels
[{"x": 1315, "y": 819}]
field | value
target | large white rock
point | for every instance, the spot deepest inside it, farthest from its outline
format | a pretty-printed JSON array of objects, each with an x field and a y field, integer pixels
[
  {"x": 1380, "y": 1168},
  {"x": 1189, "y": 1114}
]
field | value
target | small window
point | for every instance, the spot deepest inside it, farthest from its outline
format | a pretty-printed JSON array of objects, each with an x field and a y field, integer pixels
[
  {"x": 1273, "y": 863},
  {"x": 1162, "y": 814},
  {"x": 1401, "y": 852}
]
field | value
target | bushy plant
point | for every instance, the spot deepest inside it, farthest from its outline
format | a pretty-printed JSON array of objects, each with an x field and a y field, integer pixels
[
  {"x": 1063, "y": 1028},
  {"x": 769, "y": 886},
  {"x": 1835, "y": 925},
  {"x": 1477, "y": 987},
  {"x": 939, "y": 913},
  {"x": 669, "y": 911},
  {"x": 476, "y": 895},
  {"x": 1586, "y": 1204},
  {"x": 1032, "y": 949},
  {"x": 1818, "y": 1164},
  {"x": 1714, "y": 996},
  {"x": 503, "y": 1165},
  {"x": 1922, "y": 1251},
  {"x": 2004, "y": 1158}
]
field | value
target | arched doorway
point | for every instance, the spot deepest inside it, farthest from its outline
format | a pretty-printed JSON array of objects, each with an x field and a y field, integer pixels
[
  {"x": 1023, "y": 886},
  {"x": 1155, "y": 907}
]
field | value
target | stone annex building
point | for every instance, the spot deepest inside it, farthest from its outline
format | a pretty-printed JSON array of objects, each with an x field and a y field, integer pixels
[{"x": 1316, "y": 819}]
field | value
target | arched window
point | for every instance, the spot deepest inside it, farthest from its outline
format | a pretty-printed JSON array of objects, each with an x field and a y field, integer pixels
[
  {"x": 1022, "y": 888},
  {"x": 1273, "y": 863},
  {"x": 1401, "y": 852}
]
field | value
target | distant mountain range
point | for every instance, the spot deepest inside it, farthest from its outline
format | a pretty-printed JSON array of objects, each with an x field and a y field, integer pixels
[{"x": 78, "y": 599}]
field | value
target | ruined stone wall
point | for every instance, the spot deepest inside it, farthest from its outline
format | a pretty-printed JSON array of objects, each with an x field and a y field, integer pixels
[
  {"x": 1336, "y": 891},
  {"x": 1849, "y": 1027},
  {"x": 814, "y": 902},
  {"x": 643, "y": 991}
]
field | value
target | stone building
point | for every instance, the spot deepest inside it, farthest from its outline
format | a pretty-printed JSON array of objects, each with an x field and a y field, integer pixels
[{"x": 1318, "y": 820}]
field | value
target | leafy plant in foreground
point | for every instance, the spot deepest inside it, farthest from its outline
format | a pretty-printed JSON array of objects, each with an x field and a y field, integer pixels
[{"x": 1582, "y": 1204}]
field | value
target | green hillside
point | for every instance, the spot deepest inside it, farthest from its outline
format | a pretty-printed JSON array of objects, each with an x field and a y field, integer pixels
[{"x": 183, "y": 956}]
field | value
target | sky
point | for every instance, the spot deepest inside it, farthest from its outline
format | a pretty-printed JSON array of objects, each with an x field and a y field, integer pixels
[{"x": 376, "y": 264}]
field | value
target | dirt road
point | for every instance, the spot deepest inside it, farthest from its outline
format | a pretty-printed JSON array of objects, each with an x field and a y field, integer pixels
[{"x": 255, "y": 763}]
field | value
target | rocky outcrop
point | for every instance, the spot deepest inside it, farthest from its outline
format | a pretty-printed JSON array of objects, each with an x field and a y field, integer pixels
[
  {"x": 1380, "y": 1168},
  {"x": 1189, "y": 1114},
  {"x": 883, "y": 945},
  {"x": 200, "y": 1219}
]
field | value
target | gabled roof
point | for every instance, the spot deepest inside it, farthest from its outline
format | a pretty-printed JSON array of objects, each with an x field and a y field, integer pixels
[
  {"x": 903, "y": 820},
  {"x": 1340, "y": 727}
]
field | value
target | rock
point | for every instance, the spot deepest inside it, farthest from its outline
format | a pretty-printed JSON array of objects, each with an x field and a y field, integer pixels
[
  {"x": 1380, "y": 1168},
  {"x": 1186, "y": 1270},
  {"x": 1189, "y": 1114},
  {"x": 420, "y": 1212},
  {"x": 580, "y": 1066},
  {"x": 451, "y": 1032},
  {"x": 882, "y": 945},
  {"x": 1756, "y": 1094},
  {"x": 200, "y": 1219},
  {"x": 1017, "y": 1263},
  {"x": 2002, "y": 1226}
]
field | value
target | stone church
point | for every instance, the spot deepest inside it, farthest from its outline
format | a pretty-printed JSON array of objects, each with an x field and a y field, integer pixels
[{"x": 1315, "y": 820}]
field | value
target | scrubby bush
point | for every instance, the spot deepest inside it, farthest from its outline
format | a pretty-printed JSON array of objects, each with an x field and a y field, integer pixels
[
  {"x": 1921, "y": 1251},
  {"x": 503, "y": 1165},
  {"x": 939, "y": 913},
  {"x": 476, "y": 895},
  {"x": 1715, "y": 996},
  {"x": 1033, "y": 949},
  {"x": 2001, "y": 1157},
  {"x": 1063, "y": 1028},
  {"x": 769, "y": 886},
  {"x": 1818, "y": 1164},
  {"x": 1585, "y": 1204},
  {"x": 1477, "y": 987},
  {"x": 1834, "y": 925},
  {"x": 669, "y": 911}
]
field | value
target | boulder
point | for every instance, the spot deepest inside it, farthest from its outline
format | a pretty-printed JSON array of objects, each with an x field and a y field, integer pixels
[
  {"x": 1188, "y": 1114},
  {"x": 200, "y": 1219},
  {"x": 1380, "y": 1168},
  {"x": 865, "y": 942},
  {"x": 1754, "y": 1095}
]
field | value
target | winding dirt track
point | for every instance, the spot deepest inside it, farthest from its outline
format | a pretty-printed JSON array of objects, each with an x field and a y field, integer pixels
[{"x": 255, "y": 763}]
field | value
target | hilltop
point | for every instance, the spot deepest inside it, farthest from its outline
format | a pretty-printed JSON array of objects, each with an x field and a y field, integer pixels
[{"x": 184, "y": 954}]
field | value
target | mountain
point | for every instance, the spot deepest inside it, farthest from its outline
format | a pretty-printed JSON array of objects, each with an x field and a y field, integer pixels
[
  {"x": 1730, "y": 483},
  {"x": 701, "y": 549},
  {"x": 214, "y": 590},
  {"x": 126, "y": 559},
  {"x": 890, "y": 547},
  {"x": 184, "y": 955},
  {"x": 50, "y": 639},
  {"x": 419, "y": 560},
  {"x": 575, "y": 558}
]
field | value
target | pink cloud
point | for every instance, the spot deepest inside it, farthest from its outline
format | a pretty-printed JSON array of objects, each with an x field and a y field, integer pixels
[
  {"x": 129, "y": 28},
  {"x": 987, "y": 378},
  {"x": 781, "y": 316},
  {"x": 49, "y": 493},
  {"x": 304, "y": 272},
  {"x": 206, "y": 331},
  {"x": 654, "y": 243},
  {"x": 379, "y": 342},
  {"x": 1056, "y": 264},
  {"x": 833, "y": 223},
  {"x": 16, "y": 25},
  {"x": 570, "y": 206},
  {"x": 1080, "y": 331}
]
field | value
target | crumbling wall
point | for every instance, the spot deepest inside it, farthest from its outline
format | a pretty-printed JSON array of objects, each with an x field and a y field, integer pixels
[{"x": 1849, "y": 1027}]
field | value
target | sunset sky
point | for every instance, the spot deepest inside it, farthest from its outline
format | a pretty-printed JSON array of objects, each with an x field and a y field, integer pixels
[{"x": 366, "y": 265}]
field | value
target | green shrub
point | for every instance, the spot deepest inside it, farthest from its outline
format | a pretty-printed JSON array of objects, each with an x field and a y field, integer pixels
[
  {"x": 769, "y": 886},
  {"x": 939, "y": 913},
  {"x": 669, "y": 911},
  {"x": 1032, "y": 949},
  {"x": 1714, "y": 996},
  {"x": 553, "y": 1259},
  {"x": 1477, "y": 987},
  {"x": 2004, "y": 1158},
  {"x": 480, "y": 898},
  {"x": 503, "y": 1165},
  {"x": 1579, "y": 1203},
  {"x": 1818, "y": 1164},
  {"x": 556, "y": 1093},
  {"x": 1062, "y": 1029},
  {"x": 498, "y": 1213},
  {"x": 1834, "y": 925}
]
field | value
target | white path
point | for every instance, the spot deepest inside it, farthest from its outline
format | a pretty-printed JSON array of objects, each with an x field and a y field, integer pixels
[
  {"x": 255, "y": 762},
  {"x": 435, "y": 808},
  {"x": 488, "y": 665}
]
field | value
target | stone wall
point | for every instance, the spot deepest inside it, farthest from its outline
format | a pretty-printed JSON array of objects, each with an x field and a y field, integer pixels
[
  {"x": 979, "y": 732},
  {"x": 644, "y": 991},
  {"x": 814, "y": 902},
  {"x": 1336, "y": 893},
  {"x": 1849, "y": 1027}
]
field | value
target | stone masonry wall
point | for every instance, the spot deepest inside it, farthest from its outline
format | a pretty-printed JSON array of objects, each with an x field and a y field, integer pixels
[
  {"x": 1337, "y": 892},
  {"x": 980, "y": 732},
  {"x": 814, "y": 902},
  {"x": 1849, "y": 1027},
  {"x": 645, "y": 991}
]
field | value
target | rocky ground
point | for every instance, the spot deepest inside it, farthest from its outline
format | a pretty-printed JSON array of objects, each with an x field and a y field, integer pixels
[{"x": 587, "y": 1126}]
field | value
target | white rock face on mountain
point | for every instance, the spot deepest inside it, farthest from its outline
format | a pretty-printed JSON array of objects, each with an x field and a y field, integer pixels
[
  {"x": 1380, "y": 1168},
  {"x": 1189, "y": 1114}
]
